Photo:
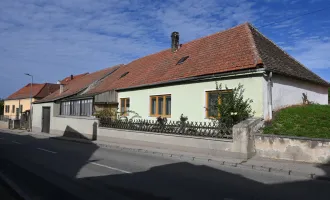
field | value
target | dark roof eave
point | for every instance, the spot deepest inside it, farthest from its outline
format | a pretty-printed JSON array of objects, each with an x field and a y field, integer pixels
[
  {"x": 19, "y": 98},
  {"x": 324, "y": 83},
  {"x": 212, "y": 76},
  {"x": 77, "y": 97}
]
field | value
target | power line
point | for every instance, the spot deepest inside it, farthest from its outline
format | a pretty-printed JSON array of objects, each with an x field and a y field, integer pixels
[{"x": 307, "y": 13}]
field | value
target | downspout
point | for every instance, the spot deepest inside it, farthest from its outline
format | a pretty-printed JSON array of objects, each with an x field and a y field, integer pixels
[{"x": 269, "y": 92}]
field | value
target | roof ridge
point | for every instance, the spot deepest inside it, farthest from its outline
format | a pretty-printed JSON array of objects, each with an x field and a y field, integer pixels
[
  {"x": 255, "y": 29},
  {"x": 94, "y": 83},
  {"x": 194, "y": 40},
  {"x": 44, "y": 85},
  {"x": 258, "y": 59},
  {"x": 222, "y": 31}
]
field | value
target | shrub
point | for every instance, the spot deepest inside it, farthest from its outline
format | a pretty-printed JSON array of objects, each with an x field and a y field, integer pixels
[
  {"x": 232, "y": 107},
  {"x": 105, "y": 113},
  {"x": 183, "y": 119},
  {"x": 161, "y": 120}
]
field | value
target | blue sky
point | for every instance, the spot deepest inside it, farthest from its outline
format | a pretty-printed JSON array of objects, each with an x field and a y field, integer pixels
[{"x": 53, "y": 39}]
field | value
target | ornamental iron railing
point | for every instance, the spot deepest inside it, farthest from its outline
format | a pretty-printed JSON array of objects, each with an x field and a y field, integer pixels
[{"x": 202, "y": 129}]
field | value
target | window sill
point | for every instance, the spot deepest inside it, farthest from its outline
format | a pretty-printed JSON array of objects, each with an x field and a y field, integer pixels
[
  {"x": 210, "y": 117},
  {"x": 77, "y": 117},
  {"x": 169, "y": 117}
]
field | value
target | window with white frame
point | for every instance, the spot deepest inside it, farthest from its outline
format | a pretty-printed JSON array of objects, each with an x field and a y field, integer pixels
[
  {"x": 86, "y": 107},
  {"x": 77, "y": 107}
]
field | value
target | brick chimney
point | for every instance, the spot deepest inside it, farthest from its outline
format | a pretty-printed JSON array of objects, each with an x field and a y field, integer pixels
[{"x": 175, "y": 41}]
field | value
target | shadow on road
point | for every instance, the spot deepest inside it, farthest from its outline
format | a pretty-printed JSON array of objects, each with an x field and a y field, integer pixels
[{"x": 180, "y": 180}]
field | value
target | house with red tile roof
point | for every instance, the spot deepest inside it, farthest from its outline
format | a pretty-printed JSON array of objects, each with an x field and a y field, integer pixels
[
  {"x": 20, "y": 101},
  {"x": 67, "y": 106},
  {"x": 182, "y": 79}
]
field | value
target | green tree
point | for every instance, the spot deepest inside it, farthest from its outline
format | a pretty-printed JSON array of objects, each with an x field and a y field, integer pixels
[
  {"x": 2, "y": 104},
  {"x": 231, "y": 105}
]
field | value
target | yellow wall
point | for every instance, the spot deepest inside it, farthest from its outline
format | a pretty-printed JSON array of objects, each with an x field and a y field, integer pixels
[
  {"x": 190, "y": 100},
  {"x": 11, "y": 113}
]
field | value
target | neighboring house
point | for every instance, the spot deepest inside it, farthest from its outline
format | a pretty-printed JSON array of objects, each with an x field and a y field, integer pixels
[
  {"x": 68, "y": 104},
  {"x": 182, "y": 80},
  {"x": 20, "y": 101}
]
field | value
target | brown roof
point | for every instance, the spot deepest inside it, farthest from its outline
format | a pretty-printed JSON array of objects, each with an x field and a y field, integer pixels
[
  {"x": 38, "y": 91},
  {"x": 77, "y": 85},
  {"x": 229, "y": 50},
  {"x": 238, "y": 48},
  {"x": 278, "y": 61},
  {"x": 66, "y": 80}
]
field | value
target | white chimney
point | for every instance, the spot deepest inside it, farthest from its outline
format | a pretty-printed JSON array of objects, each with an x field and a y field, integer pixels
[{"x": 61, "y": 88}]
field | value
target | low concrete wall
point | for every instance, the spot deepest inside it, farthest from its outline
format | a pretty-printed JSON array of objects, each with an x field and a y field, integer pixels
[
  {"x": 71, "y": 126},
  {"x": 293, "y": 148},
  {"x": 3, "y": 124},
  {"x": 74, "y": 126},
  {"x": 180, "y": 140},
  {"x": 242, "y": 145},
  {"x": 243, "y": 137}
]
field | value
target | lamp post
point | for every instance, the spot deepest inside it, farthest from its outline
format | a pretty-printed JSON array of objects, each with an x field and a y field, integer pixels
[{"x": 30, "y": 122}]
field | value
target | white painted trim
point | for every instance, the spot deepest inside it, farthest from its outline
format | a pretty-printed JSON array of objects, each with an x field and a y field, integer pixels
[
  {"x": 113, "y": 168},
  {"x": 53, "y": 152}
]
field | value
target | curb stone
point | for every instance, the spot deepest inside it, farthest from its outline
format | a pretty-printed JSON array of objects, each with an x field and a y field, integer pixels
[{"x": 233, "y": 164}]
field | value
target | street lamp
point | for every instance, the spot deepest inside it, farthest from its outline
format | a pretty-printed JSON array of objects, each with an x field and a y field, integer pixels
[{"x": 30, "y": 123}]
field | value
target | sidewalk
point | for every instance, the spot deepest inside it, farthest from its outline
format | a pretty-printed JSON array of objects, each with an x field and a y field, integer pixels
[{"x": 307, "y": 170}]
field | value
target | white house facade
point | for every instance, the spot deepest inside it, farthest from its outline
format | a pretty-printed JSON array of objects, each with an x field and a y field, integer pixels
[
  {"x": 189, "y": 99},
  {"x": 288, "y": 91}
]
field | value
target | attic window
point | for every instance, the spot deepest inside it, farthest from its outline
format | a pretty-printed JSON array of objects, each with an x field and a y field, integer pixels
[
  {"x": 182, "y": 60},
  {"x": 124, "y": 74}
]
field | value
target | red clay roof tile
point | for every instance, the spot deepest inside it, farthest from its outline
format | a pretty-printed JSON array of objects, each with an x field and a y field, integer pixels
[{"x": 224, "y": 51}]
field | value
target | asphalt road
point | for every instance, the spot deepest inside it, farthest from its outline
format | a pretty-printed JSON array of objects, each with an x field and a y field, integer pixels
[
  {"x": 57, "y": 169},
  {"x": 6, "y": 193}
]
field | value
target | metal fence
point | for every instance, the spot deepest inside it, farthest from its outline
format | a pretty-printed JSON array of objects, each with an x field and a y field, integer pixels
[{"x": 203, "y": 129}]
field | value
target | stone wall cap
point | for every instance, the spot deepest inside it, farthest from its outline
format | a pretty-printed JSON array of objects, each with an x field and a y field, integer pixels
[
  {"x": 76, "y": 117},
  {"x": 292, "y": 137},
  {"x": 248, "y": 122}
]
